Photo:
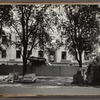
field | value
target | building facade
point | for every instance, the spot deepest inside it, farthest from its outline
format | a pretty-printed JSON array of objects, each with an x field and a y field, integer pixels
[{"x": 12, "y": 55}]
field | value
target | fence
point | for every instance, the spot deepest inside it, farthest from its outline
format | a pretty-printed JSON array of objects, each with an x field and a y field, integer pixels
[
  {"x": 6, "y": 69},
  {"x": 56, "y": 70},
  {"x": 41, "y": 70}
]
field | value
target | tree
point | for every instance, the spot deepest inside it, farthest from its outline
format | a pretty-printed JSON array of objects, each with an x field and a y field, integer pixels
[
  {"x": 5, "y": 16},
  {"x": 30, "y": 26},
  {"x": 80, "y": 30},
  {"x": 93, "y": 72}
]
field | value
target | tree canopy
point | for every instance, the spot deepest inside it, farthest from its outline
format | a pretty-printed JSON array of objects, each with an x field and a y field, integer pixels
[
  {"x": 5, "y": 17},
  {"x": 80, "y": 30},
  {"x": 30, "y": 26}
]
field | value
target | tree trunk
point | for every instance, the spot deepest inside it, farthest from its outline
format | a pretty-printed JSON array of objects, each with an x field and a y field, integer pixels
[
  {"x": 24, "y": 60},
  {"x": 24, "y": 65},
  {"x": 80, "y": 62}
]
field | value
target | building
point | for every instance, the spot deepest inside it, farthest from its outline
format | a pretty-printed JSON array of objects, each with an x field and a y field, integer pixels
[{"x": 11, "y": 55}]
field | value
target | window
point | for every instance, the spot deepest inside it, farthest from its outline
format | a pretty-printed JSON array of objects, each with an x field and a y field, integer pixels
[
  {"x": 29, "y": 52},
  {"x": 4, "y": 39},
  {"x": 40, "y": 54},
  {"x": 86, "y": 56},
  {"x": 18, "y": 53},
  {"x": 63, "y": 56},
  {"x": 52, "y": 56},
  {"x": 3, "y": 53}
]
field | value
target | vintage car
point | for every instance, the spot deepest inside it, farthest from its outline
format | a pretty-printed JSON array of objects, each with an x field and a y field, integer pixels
[{"x": 37, "y": 61}]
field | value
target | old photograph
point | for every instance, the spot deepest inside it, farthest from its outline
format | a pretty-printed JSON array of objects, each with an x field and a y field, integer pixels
[{"x": 50, "y": 50}]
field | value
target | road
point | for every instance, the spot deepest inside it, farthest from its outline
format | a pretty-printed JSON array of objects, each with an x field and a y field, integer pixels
[{"x": 29, "y": 90}]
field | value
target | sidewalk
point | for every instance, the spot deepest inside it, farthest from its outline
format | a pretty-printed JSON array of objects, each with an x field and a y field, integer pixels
[
  {"x": 42, "y": 81},
  {"x": 41, "y": 77},
  {"x": 37, "y": 91},
  {"x": 48, "y": 86}
]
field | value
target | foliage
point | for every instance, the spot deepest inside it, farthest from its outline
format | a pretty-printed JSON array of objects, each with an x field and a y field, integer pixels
[
  {"x": 5, "y": 13},
  {"x": 80, "y": 29},
  {"x": 31, "y": 28},
  {"x": 93, "y": 72},
  {"x": 5, "y": 17},
  {"x": 78, "y": 78}
]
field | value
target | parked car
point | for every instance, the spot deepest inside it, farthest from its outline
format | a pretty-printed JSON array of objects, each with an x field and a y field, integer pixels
[{"x": 37, "y": 61}]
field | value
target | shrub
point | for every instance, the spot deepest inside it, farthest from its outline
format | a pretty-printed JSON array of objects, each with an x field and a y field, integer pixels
[
  {"x": 78, "y": 78},
  {"x": 93, "y": 72}
]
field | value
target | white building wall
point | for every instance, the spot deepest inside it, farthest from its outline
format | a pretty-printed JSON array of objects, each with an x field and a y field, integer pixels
[
  {"x": 69, "y": 57},
  {"x": 11, "y": 54}
]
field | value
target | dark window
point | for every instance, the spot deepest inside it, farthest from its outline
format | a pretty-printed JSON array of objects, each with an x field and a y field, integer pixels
[
  {"x": 63, "y": 56},
  {"x": 3, "y": 53},
  {"x": 10, "y": 37},
  {"x": 29, "y": 52},
  {"x": 4, "y": 39},
  {"x": 52, "y": 56},
  {"x": 40, "y": 54},
  {"x": 17, "y": 46},
  {"x": 18, "y": 53},
  {"x": 86, "y": 56}
]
